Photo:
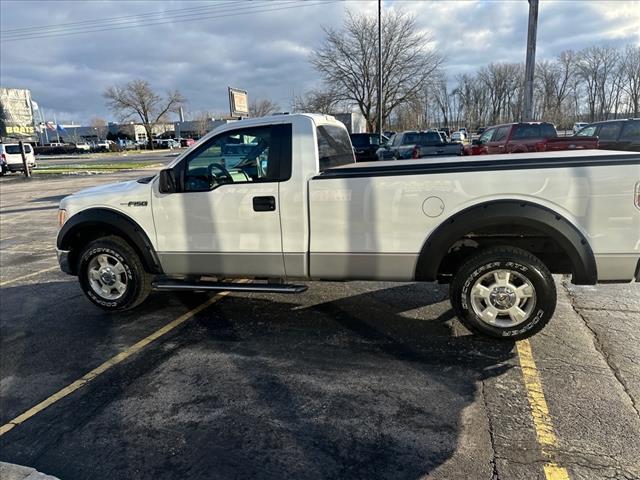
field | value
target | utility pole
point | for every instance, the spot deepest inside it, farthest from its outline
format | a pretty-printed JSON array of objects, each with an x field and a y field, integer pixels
[
  {"x": 527, "y": 112},
  {"x": 380, "y": 72}
]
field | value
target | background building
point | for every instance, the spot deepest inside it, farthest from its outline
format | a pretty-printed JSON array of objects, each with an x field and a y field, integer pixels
[{"x": 354, "y": 121}]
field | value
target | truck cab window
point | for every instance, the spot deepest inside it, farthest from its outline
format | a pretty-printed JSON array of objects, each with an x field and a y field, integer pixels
[
  {"x": 587, "y": 131},
  {"x": 237, "y": 156},
  {"x": 486, "y": 136},
  {"x": 501, "y": 133},
  {"x": 610, "y": 131},
  {"x": 334, "y": 147}
]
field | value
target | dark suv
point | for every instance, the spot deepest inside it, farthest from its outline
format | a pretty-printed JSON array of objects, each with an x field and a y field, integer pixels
[
  {"x": 615, "y": 134},
  {"x": 365, "y": 146}
]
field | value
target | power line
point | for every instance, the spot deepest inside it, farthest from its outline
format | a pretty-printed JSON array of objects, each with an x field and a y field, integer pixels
[
  {"x": 111, "y": 19},
  {"x": 182, "y": 18},
  {"x": 194, "y": 18}
]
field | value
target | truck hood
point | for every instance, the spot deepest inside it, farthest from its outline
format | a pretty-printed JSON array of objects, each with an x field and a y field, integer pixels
[{"x": 115, "y": 195}]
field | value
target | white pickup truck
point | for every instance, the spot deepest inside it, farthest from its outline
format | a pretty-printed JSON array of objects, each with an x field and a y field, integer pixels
[{"x": 290, "y": 203}]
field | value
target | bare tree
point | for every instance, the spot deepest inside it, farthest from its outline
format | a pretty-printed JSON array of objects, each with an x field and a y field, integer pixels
[
  {"x": 202, "y": 121},
  {"x": 100, "y": 126},
  {"x": 262, "y": 108},
  {"x": 325, "y": 101},
  {"x": 137, "y": 99},
  {"x": 631, "y": 79},
  {"x": 348, "y": 62}
]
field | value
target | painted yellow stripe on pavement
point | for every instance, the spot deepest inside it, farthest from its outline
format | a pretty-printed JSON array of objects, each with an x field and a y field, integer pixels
[
  {"x": 540, "y": 412},
  {"x": 24, "y": 277},
  {"x": 108, "y": 364}
]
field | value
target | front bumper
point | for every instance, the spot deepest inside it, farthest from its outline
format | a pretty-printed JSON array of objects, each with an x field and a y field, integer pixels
[{"x": 63, "y": 260}]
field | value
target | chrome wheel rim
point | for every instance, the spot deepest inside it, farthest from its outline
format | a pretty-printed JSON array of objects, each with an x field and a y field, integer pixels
[
  {"x": 107, "y": 276},
  {"x": 503, "y": 298}
]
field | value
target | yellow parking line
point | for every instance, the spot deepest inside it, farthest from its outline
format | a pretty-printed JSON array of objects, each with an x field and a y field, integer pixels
[
  {"x": 120, "y": 357},
  {"x": 542, "y": 422},
  {"x": 23, "y": 277}
]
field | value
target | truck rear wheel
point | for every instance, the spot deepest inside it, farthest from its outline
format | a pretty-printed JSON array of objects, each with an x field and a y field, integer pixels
[
  {"x": 503, "y": 292},
  {"x": 112, "y": 275}
]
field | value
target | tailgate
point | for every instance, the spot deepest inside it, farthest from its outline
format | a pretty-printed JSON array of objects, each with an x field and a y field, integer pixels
[{"x": 571, "y": 143}]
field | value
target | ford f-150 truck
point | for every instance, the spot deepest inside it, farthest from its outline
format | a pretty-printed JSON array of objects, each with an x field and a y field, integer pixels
[
  {"x": 296, "y": 207},
  {"x": 526, "y": 137}
]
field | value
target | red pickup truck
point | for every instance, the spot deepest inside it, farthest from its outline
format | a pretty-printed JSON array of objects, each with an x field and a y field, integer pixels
[{"x": 526, "y": 137}]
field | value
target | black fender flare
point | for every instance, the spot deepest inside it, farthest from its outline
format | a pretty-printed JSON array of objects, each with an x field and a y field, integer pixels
[
  {"x": 113, "y": 221},
  {"x": 508, "y": 212}
]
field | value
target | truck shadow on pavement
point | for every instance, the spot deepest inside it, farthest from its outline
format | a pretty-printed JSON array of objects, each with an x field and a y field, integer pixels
[{"x": 367, "y": 383}]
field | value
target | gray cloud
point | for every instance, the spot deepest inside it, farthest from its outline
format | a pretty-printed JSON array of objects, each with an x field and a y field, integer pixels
[{"x": 267, "y": 52}]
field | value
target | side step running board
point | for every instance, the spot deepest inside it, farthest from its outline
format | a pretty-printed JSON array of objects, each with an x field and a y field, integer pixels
[{"x": 228, "y": 286}]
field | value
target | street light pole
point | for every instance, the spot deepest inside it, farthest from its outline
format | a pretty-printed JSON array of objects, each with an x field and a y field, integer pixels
[
  {"x": 527, "y": 112},
  {"x": 380, "y": 71}
]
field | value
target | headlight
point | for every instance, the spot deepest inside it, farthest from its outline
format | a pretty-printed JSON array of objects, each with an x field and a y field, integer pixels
[{"x": 62, "y": 217}]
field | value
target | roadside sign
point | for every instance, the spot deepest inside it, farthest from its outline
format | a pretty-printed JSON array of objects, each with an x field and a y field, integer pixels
[{"x": 238, "y": 102}]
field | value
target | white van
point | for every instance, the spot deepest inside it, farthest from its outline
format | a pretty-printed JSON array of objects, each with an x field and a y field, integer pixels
[{"x": 11, "y": 159}]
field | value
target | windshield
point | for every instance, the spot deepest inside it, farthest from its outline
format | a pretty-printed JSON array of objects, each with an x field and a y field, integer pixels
[{"x": 422, "y": 138}]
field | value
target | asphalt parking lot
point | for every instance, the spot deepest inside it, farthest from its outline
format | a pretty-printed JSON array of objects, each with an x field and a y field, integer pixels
[{"x": 346, "y": 381}]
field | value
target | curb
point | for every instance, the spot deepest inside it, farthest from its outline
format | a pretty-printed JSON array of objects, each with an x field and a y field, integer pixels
[{"x": 11, "y": 471}]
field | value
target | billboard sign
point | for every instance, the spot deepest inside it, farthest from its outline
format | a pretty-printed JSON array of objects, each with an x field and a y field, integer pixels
[
  {"x": 238, "y": 102},
  {"x": 17, "y": 114}
]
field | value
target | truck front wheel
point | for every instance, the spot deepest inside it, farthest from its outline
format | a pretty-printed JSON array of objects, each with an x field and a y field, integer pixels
[
  {"x": 503, "y": 292},
  {"x": 112, "y": 275}
]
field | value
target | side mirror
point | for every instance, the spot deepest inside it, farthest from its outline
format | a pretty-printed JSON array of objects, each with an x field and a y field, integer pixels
[
  {"x": 476, "y": 141},
  {"x": 167, "y": 181}
]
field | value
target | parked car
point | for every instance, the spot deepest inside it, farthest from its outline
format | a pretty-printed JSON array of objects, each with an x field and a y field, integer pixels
[
  {"x": 615, "y": 134},
  {"x": 82, "y": 146},
  {"x": 579, "y": 126},
  {"x": 459, "y": 137},
  {"x": 102, "y": 145},
  {"x": 11, "y": 158},
  {"x": 414, "y": 144},
  {"x": 365, "y": 146},
  {"x": 495, "y": 230},
  {"x": 526, "y": 137},
  {"x": 165, "y": 143}
]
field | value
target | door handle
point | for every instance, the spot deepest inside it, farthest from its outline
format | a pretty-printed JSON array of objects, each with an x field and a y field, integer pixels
[{"x": 264, "y": 204}]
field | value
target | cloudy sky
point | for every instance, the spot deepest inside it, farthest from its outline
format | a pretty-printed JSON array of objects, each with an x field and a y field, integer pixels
[{"x": 261, "y": 45}]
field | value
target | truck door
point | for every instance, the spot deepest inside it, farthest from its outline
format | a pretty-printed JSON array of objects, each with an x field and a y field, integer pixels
[
  {"x": 225, "y": 217},
  {"x": 608, "y": 135},
  {"x": 484, "y": 139},
  {"x": 499, "y": 140}
]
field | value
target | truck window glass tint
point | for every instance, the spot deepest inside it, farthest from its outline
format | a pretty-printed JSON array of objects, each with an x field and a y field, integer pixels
[
  {"x": 501, "y": 134},
  {"x": 334, "y": 147},
  {"x": 631, "y": 132},
  {"x": 486, "y": 136},
  {"x": 587, "y": 132},
  {"x": 548, "y": 131},
  {"x": 239, "y": 156},
  {"x": 609, "y": 131}
]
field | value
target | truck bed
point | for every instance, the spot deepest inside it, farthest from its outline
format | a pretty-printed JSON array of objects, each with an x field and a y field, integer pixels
[
  {"x": 561, "y": 159},
  {"x": 380, "y": 213}
]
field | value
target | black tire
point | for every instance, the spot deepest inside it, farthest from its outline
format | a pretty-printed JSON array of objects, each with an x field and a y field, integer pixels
[
  {"x": 527, "y": 271},
  {"x": 137, "y": 281}
]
